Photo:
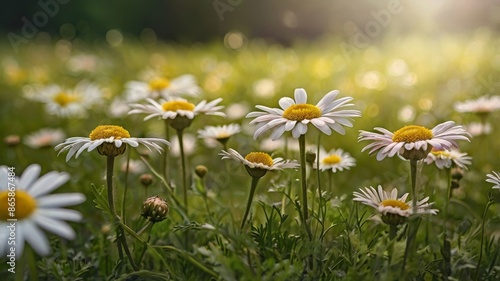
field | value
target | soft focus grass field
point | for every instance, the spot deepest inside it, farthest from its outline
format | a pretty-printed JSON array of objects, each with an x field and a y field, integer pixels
[{"x": 396, "y": 81}]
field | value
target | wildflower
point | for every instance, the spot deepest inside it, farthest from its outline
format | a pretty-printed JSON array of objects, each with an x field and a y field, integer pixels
[
  {"x": 494, "y": 178},
  {"x": 477, "y": 128},
  {"x": 394, "y": 210},
  {"x": 295, "y": 115},
  {"x": 68, "y": 102},
  {"x": 258, "y": 163},
  {"x": 36, "y": 209},
  {"x": 155, "y": 209},
  {"x": 335, "y": 160},
  {"x": 413, "y": 142},
  {"x": 46, "y": 137},
  {"x": 109, "y": 140},
  {"x": 219, "y": 133},
  {"x": 179, "y": 112},
  {"x": 448, "y": 158},
  {"x": 482, "y": 105},
  {"x": 161, "y": 87}
]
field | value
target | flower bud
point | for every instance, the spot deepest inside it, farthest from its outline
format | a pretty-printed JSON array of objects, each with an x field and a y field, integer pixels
[
  {"x": 201, "y": 171},
  {"x": 310, "y": 157},
  {"x": 155, "y": 209},
  {"x": 12, "y": 140},
  {"x": 146, "y": 179}
]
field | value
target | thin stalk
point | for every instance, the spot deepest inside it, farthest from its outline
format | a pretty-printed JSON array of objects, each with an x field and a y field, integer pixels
[
  {"x": 490, "y": 202},
  {"x": 303, "y": 178},
  {"x": 255, "y": 180},
  {"x": 393, "y": 230},
  {"x": 141, "y": 256},
  {"x": 319, "y": 183},
  {"x": 191, "y": 259},
  {"x": 32, "y": 264},
  {"x": 111, "y": 201},
  {"x": 125, "y": 188},
  {"x": 446, "y": 244},
  {"x": 414, "y": 222},
  {"x": 165, "y": 156},
  {"x": 183, "y": 163}
]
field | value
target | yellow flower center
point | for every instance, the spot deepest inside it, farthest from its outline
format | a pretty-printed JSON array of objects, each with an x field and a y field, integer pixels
[
  {"x": 395, "y": 203},
  {"x": 222, "y": 135},
  {"x": 177, "y": 105},
  {"x": 442, "y": 153},
  {"x": 107, "y": 131},
  {"x": 158, "y": 84},
  {"x": 302, "y": 111},
  {"x": 259, "y": 157},
  {"x": 63, "y": 99},
  {"x": 25, "y": 204},
  {"x": 412, "y": 133},
  {"x": 332, "y": 159}
]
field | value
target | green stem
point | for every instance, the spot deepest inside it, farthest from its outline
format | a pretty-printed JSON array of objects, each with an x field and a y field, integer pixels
[
  {"x": 183, "y": 163},
  {"x": 393, "y": 230},
  {"x": 32, "y": 264},
  {"x": 414, "y": 222},
  {"x": 125, "y": 188},
  {"x": 490, "y": 202},
  {"x": 165, "y": 156},
  {"x": 191, "y": 259},
  {"x": 302, "y": 151},
  {"x": 255, "y": 180},
  {"x": 413, "y": 174},
  {"x": 320, "y": 215},
  {"x": 111, "y": 201},
  {"x": 145, "y": 247}
]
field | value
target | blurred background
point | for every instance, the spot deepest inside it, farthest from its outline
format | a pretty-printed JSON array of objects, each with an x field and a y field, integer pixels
[{"x": 283, "y": 21}]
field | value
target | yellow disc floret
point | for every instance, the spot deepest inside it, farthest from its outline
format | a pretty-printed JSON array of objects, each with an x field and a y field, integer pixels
[
  {"x": 177, "y": 105},
  {"x": 107, "y": 131},
  {"x": 332, "y": 159},
  {"x": 395, "y": 203},
  {"x": 412, "y": 133},
  {"x": 63, "y": 99},
  {"x": 158, "y": 84},
  {"x": 259, "y": 157},
  {"x": 441, "y": 153},
  {"x": 302, "y": 111},
  {"x": 24, "y": 204}
]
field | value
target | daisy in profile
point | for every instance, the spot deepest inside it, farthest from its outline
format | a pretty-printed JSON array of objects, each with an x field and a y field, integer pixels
[
  {"x": 448, "y": 158},
  {"x": 157, "y": 86},
  {"x": 219, "y": 133},
  {"x": 413, "y": 142},
  {"x": 494, "y": 178},
  {"x": 480, "y": 106},
  {"x": 67, "y": 102},
  {"x": 334, "y": 160},
  {"x": 36, "y": 209},
  {"x": 295, "y": 115},
  {"x": 46, "y": 137},
  {"x": 257, "y": 165},
  {"x": 178, "y": 111},
  {"x": 110, "y": 140},
  {"x": 394, "y": 210}
]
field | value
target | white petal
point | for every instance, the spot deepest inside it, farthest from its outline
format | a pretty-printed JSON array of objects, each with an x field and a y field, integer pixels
[{"x": 300, "y": 95}]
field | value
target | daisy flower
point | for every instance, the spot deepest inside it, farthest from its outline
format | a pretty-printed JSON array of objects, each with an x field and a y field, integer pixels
[
  {"x": 295, "y": 115},
  {"x": 482, "y": 105},
  {"x": 447, "y": 158},
  {"x": 219, "y": 133},
  {"x": 160, "y": 87},
  {"x": 413, "y": 142},
  {"x": 36, "y": 209},
  {"x": 258, "y": 163},
  {"x": 335, "y": 160},
  {"x": 46, "y": 137},
  {"x": 477, "y": 128},
  {"x": 67, "y": 102},
  {"x": 494, "y": 178},
  {"x": 394, "y": 210},
  {"x": 109, "y": 140},
  {"x": 180, "y": 110}
]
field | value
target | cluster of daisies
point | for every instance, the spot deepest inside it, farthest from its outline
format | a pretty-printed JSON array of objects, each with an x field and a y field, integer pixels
[{"x": 158, "y": 97}]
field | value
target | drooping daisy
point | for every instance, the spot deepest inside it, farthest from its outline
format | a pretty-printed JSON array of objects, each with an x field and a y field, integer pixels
[
  {"x": 67, "y": 102},
  {"x": 180, "y": 110},
  {"x": 219, "y": 133},
  {"x": 447, "y": 158},
  {"x": 35, "y": 209},
  {"x": 46, "y": 137},
  {"x": 109, "y": 140},
  {"x": 258, "y": 163},
  {"x": 335, "y": 160},
  {"x": 158, "y": 86},
  {"x": 394, "y": 210},
  {"x": 413, "y": 142},
  {"x": 482, "y": 105},
  {"x": 295, "y": 115},
  {"x": 494, "y": 178}
]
